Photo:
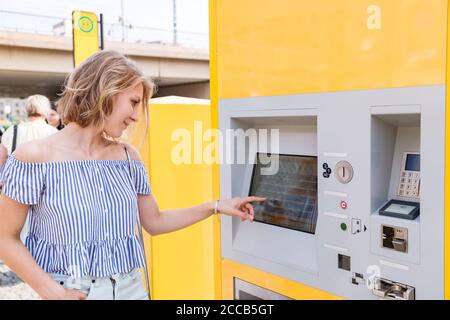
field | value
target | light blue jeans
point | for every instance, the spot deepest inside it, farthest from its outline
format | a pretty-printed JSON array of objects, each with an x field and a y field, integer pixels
[{"x": 121, "y": 286}]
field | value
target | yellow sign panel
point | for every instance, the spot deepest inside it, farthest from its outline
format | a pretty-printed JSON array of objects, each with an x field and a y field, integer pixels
[{"x": 85, "y": 35}]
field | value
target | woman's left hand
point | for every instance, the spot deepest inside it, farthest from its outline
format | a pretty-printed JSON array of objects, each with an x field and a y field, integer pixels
[{"x": 239, "y": 207}]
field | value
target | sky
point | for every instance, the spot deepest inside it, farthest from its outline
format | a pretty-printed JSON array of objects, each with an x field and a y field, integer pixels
[{"x": 150, "y": 20}]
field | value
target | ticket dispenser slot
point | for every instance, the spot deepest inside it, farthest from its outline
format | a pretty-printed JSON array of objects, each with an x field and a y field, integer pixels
[
  {"x": 395, "y": 238},
  {"x": 244, "y": 290},
  {"x": 390, "y": 290}
]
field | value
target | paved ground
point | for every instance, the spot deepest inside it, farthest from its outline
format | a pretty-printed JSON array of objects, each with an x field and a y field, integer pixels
[{"x": 12, "y": 288}]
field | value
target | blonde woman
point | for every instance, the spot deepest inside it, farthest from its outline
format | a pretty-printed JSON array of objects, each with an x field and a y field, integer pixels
[{"x": 82, "y": 201}]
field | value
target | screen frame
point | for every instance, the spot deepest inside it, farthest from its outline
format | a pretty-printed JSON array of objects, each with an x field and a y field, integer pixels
[
  {"x": 252, "y": 175},
  {"x": 405, "y": 156}
]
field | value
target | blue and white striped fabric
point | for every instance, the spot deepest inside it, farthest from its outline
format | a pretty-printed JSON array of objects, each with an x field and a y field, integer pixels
[{"x": 82, "y": 213}]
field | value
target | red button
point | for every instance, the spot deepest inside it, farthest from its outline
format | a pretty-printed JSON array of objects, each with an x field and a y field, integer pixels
[{"x": 343, "y": 205}]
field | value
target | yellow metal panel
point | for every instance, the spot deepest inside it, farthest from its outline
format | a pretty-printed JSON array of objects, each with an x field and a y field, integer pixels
[
  {"x": 85, "y": 35},
  {"x": 269, "y": 47},
  {"x": 215, "y": 125},
  {"x": 183, "y": 262},
  {"x": 447, "y": 182},
  {"x": 298, "y": 291}
]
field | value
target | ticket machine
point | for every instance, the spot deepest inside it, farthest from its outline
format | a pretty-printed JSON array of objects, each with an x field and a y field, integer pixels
[{"x": 343, "y": 103}]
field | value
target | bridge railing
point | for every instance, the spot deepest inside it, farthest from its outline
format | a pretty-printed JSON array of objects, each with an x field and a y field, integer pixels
[{"x": 62, "y": 26}]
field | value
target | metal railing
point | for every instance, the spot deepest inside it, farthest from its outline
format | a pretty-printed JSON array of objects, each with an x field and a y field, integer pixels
[{"x": 62, "y": 26}]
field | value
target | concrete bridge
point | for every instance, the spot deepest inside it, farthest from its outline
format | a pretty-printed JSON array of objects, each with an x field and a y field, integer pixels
[{"x": 36, "y": 63}]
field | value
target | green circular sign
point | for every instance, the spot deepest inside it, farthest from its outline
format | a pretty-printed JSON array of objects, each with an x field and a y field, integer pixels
[{"x": 85, "y": 24}]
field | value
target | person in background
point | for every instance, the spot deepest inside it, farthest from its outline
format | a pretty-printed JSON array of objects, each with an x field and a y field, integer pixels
[
  {"x": 34, "y": 127},
  {"x": 54, "y": 119}
]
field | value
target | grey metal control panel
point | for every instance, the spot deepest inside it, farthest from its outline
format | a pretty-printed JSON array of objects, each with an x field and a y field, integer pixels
[{"x": 359, "y": 140}]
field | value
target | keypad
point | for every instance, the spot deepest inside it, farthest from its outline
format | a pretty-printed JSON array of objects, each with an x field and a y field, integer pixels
[{"x": 409, "y": 184}]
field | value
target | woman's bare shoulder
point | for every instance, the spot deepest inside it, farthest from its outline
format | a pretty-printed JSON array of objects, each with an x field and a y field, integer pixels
[
  {"x": 33, "y": 151},
  {"x": 134, "y": 153}
]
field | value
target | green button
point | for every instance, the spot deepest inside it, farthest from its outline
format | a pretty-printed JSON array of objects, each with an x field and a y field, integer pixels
[{"x": 343, "y": 226}]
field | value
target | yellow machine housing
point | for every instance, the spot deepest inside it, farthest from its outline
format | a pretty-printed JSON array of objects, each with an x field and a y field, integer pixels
[
  {"x": 183, "y": 264},
  {"x": 380, "y": 70}
]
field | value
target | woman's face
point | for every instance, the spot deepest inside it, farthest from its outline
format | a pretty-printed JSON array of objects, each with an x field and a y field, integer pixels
[
  {"x": 125, "y": 111},
  {"x": 53, "y": 118}
]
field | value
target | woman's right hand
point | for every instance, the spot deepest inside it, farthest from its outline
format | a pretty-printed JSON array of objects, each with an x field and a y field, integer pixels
[
  {"x": 67, "y": 294},
  {"x": 72, "y": 294}
]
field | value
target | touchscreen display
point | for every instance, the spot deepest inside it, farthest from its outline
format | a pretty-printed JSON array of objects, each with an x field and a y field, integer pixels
[{"x": 291, "y": 193}]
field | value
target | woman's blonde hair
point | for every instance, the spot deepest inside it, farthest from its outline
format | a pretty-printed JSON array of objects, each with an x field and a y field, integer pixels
[
  {"x": 37, "y": 106},
  {"x": 87, "y": 98}
]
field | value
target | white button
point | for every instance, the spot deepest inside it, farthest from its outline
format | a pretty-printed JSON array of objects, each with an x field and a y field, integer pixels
[
  {"x": 106, "y": 210},
  {"x": 101, "y": 189}
]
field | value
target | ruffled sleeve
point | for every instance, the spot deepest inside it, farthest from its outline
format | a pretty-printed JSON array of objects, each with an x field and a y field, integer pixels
[
  {"x": 22, "y": 181},
  {"x": 142, "y": 183}
]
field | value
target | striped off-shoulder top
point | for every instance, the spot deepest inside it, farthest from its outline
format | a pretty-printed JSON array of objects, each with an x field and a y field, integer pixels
[{"x": 82, "y": 213}]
